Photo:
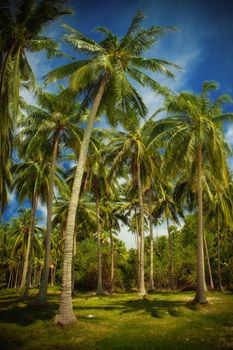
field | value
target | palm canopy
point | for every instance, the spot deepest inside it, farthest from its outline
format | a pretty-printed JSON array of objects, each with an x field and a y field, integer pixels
[
  {"x": 21, "y": 231},
  {"x": 132, "y": 146},
  {"x": 31, "y": 178},
  {"x": 195, "y": 120},
  {"x": 54, "y": 118},
  {"x": 119, "y": 61},
  {"x": 20, "y": 29}
]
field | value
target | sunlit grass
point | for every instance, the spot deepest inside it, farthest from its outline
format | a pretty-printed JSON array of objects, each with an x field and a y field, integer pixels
[{"x": 127, "y": 321}]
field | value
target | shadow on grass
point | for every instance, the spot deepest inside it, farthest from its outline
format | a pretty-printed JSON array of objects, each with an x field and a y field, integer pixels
[
  {"x": 26, "y": 313},
  {"x": 157, "y": 308}
]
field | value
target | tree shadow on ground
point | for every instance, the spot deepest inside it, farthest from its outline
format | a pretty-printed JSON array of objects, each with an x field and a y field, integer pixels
[
  {"x": 24, "y": 314},
  {"x": 157, "y": 308}
]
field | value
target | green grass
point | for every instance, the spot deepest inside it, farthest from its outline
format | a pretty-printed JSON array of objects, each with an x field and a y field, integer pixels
[{"x": 121, "y": 322}]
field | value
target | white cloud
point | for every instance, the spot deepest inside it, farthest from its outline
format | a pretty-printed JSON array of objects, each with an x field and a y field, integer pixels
[
  {"x": 229, "y": 135},
  {"x": 160, "y": 230},
  {"x": 12, "y": 196},
  {"x": 42, "y": 209}
]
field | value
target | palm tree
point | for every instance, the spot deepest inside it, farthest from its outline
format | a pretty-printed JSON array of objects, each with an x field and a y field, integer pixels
[
  {"x": 30, "y": 181},
  {"x": 23, "y": 230},
  {"x": 20, "y": 28},
  {"x": 221, "y": 210},
  {"x": 196, "y": 142},
  {"x": 166, "y": 206},
  {"x": 134, "y": 149},
  {"x": 103, "y": 76},
  {"x": 51, "y": 125},
  {"x": 111, "y": 214}
]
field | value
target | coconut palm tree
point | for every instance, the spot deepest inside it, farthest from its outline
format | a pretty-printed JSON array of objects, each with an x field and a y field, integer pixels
[
  {"x": 167, "y": 208},
  {"x": 111, "y": 214},
  {"x": 133, "y": 149},
  {"x": 220, "y": 209},
  {"x": 103, "y": 76},
  {"x": 20, "y": 26},
  {"x": 52, "y": 124},
  {"x": 30, "y": 181},
  {"x": 196, "y": 143},
  {"x": 23, "y": 231}
]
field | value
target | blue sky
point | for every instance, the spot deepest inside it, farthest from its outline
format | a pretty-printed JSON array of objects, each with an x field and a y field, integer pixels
[{"x": 202, "y": 46}]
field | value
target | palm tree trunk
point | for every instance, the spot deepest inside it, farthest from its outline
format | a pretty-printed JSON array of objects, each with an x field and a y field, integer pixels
[
  {"x": 73, "y": 265},
  {"x": 200, "y": 290},
  {"x": 17, "y": 274},
  {"x": 142, "y": 289},
  {"x": 220, "y": 287},
  {"x": 31, "y": 232},
  {"x": 152, "y": 286},
  {"x": 112, "y": 262},
  {"x": 28, "y": 250},
  {"x": 171, "y": 263},
  {"x": 65, "y": 314},
  {"x": 100, "y": 282},
  {"x": 42, "y": 297},
  {"x": 10, "y": 278},
  {"x": 208, "y": 263},
  {"x": 138, "y": 248}
]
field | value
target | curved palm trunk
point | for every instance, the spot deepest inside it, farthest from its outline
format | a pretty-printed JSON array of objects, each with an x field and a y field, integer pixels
[
  {"x": 220, "y": 287},
  {"x": 171, "y": 264},
  {"x": 100, "y": 281},
  {"x": 65, "y": 314},
  {"x": 208, "y": 263},
  {"x": 142, "y": 289},
  {"x": 42, "y": 297},
  {"x": 112, "y": 262},
  {"x": 152, "y": 286},
  {"x": 29, "y": 272},
  {"x": 200, "y": 290}
]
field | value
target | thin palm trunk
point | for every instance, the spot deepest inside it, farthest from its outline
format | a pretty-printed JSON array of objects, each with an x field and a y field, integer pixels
[
  {"x": 65, "y": 314},
  {"x": 100, "y": 282},
  {"x": 17, "y": 274},
  {"x": 208, "y": 263},
  {"x": 32, "y": 224},
  {"x": 200, "y": 290},
  {"x": 152, "y": 286},
  {"x": 171, "y": 263},
  {"x": 51, "y": 275},
  {"x": 42, "y": 297},
  {"x": 73, "y": 265},
  {"x": 142, "y": 289},
  {"x": 220, "y": 287},
  {"x": 138, "y": 248},
  {"x": 112, "y": 262},
  {"x": 28, "y": 250},
  {"x": 10, "y": 278}
]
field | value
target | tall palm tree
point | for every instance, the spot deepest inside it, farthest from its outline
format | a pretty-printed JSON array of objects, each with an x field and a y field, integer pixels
[
  {"x": 52, "y": 124},
  {"x": 23, "y": 243},
  {"x": 166, "y": 206},
  {"x": 196, "y": 142},
  {"x": 103, "y": 75},
  {"x": 30, "y": 181},
  {"x": 133, "y": 148},
  {"x": 220, "y": 209},
  {"x": 20, "y": 28}
]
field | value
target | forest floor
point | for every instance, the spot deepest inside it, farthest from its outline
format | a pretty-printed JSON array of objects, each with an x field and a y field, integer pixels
[{"x": 167, "y": 320}]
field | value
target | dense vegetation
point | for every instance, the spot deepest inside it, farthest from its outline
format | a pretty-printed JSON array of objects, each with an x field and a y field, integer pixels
[{"x": 89, "y": 152}]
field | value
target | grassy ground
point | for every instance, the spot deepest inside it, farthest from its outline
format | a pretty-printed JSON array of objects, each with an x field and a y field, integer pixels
[{"x": 121, "y": 322}]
